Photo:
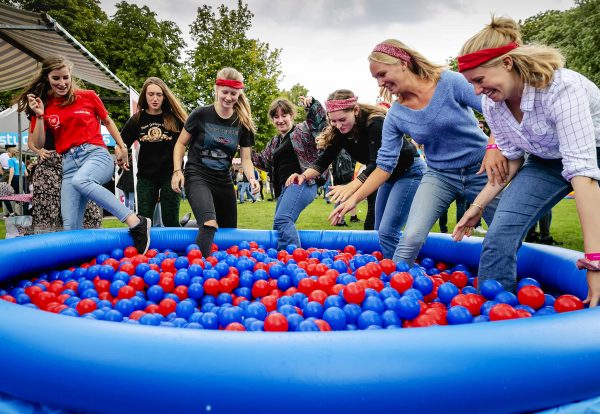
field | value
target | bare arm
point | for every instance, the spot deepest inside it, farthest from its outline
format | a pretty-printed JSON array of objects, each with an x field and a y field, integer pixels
[
  {"x": 248, "y": 167},
  {"x": 178, "y": 180},
  {"x": 120, "y": 148}
]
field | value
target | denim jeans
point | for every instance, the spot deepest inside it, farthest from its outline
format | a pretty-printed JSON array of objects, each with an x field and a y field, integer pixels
[
  {"x": 85, "y": 169},
  {"x": 393, "y": 205},
  {"x": 245, "y": 190},
  {"x": 438, "y": 189},
  {"x": 291, "y": 202},
  {"x": 535, "y": 189}
]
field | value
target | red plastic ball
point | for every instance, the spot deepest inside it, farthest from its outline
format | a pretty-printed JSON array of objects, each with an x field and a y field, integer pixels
[
  {"x": 211, "y": 287},
  {"x": 137, "y": 283},
  {"x": 85, "y": 306},
  {"x": 270, "y": 303},
  {"x": 323, "y": 325},
  {"x": 102, "y": 285},
  {"x": 387, "y": 266},
  {"x": 531, "y": 295},
  {"x": 136, "y": 315},
  {"x": 306, "y": 285},
  {"x": 401, "y": 281},
  {"x": 235, "y": 326},
  {"x": 276, "y": 322},
  {"x": 502, "y": 311},
  {"x": 317, "y": 296},
  {"x": 128, "y": 268},
  {"x": 459, "y": 279},
  {"x": 350, "y": 249},
  {"x": 194, "y": 254},
  {"x": 354, "y": 293},
  {"x": 126, "y": 292},
  {"x": 300, "y": 254},
  {"x": 181, "y": 292},
  {"x": 166, "y": 306},
  {"x": 260, "y": 288},
  {"x": 8, "y": 298},
  {"x": 167, "y": 283},
  {"x": 567, "y": 303},
  {"x": 130, "y": 251}
]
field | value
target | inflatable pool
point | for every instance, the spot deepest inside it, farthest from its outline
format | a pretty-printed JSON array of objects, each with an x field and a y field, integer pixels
[{"x": 93, "y": 366}]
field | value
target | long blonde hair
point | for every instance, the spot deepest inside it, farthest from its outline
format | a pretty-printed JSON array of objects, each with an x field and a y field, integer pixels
[
  {"x": 40, "y": 86},
  {"x": 172, "y": 109},
  {"x": 330, "y": 132},
  {"x": 419, "y": 64},
  {"x": 535, "y": 64},
  {"x": 242, "y": 106}
]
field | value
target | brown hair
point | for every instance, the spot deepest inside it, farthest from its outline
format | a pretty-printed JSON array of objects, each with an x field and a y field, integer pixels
[
  {"x": 40, "y": 86},
  {"x": 284, "y": 105},
  {"x": 172, "y": 109},
  {"x": 330, "y": 132},
  {"x": 535, "y": 64}
]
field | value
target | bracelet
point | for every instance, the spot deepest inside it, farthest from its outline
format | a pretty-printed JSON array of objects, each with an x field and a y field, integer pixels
[
  {"x": 491, "y": 146},
  {"x": 588, "y": 264},
  {"x": 39, "y": 116},
  {"x": 302, "y": 175},
  {"x": 478, "y": 206},
  {"x": 592, "y": 256},
  {"x": 179, "y": 170}
]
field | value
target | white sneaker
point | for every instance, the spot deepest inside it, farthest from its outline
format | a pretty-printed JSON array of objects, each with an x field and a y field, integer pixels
[{"x": 480, "y": 230}]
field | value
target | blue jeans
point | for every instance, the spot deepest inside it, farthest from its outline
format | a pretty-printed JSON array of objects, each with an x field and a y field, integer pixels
[
  {"x": 290, "y": 203},
  {"x": 535, "y": 189},
  {"x": 85, "y": 169},
  {"x": 391, "y": 218},
  {"x": 245, "y": 190},
  {"x": 438, "y": 189}
]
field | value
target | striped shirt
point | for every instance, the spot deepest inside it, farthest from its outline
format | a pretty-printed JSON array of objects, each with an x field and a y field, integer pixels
[{"x": 560, "y": 121}]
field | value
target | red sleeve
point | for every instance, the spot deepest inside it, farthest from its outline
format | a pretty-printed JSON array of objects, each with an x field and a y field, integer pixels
[
  {"x": 32, "y": 123},
  {"x": 99, "y": 108}
]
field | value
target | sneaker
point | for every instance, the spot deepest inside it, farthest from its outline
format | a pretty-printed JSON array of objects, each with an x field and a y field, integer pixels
[
  {"x": 141, "y": 234},
  {"x": 354, "y": 219},
  {"x": 480, "y": 230},
  {"x": 532, "y": 238},
  {"x": 342, "y": 224},
  {"x": 550, "y": 241},
  {"x": 185, "y": 219}
]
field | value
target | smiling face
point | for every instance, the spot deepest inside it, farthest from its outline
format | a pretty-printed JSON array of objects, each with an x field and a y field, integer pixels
[
  {"x": 154, "y": 98},
  {"x": 227, "y": 96},
  {"x": 498, "y": 82},
  {"x": 343, "y": 120},
  {"x": 60, "y": 81},
  {"x": 282, "y": 121},
  {"x": 391, "y": 77}
]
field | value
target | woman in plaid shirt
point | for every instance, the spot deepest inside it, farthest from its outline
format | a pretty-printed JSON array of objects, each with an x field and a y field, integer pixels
[{"x": 533, "y": 105}]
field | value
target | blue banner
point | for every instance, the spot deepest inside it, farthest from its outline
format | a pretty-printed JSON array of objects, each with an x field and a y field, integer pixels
[{"x": 11, "y": 138}]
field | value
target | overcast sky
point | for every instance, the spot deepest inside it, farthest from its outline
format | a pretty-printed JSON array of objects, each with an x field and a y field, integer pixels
[{"x": 325, "y": 43}]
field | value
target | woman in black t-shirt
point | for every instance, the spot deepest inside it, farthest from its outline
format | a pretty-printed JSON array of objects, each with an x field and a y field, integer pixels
[
  {"x": 156, "y": 126},
  {"x": 214, "y": 134},
  {"x": 357, "y": 128}
]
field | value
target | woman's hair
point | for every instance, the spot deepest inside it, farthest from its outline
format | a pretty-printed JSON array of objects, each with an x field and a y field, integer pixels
[
  {"x": 40, "y": 86},
  {"x": 242, "y": 106},
  {"x": 284, "y": 105},
  {"x": 419, "y": 64},
  {"x": 12, "y": 151},
  {"x": 535, "y": 64},
  {"x": 330, "y": 132},
  {"x": 172, "y": 109}
]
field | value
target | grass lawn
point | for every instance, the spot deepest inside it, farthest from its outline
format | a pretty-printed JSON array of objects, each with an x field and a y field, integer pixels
[{"x": 565, "y": 223}]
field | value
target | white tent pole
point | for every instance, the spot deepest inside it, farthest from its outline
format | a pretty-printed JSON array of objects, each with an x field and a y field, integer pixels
[{"x": 20, "y": 161}]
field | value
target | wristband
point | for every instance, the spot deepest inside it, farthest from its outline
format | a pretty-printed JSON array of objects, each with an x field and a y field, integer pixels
[
  {"x": 304, "y": 176},
  {"x": 179, "y": 170},
  {"x": 478, "y": 206},
  {"x": 592, "y": 256},
  {"x": 39, "y": 116},
  {"x": 491, "y": 146},
  {"x": 588, "y": 264}
]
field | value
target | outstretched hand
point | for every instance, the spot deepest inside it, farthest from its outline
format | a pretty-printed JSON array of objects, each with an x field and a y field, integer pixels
[
  {"x": 340, "y": 193},
  {"x": 338, "y": 213},
  {"x": 467, "y": 223}
]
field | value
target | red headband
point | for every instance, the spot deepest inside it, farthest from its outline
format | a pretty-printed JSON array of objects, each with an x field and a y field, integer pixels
[
  {"x": 472, "y": 60},
  {"x": 339, "y": 104},
  {"x": 230, "y": 82},
  {"x": 392, "y": 51}
]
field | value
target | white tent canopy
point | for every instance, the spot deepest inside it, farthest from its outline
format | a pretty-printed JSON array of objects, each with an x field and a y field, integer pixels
[{"x": 27, "y": 38}]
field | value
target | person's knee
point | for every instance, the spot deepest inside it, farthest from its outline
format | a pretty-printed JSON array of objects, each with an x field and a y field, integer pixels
[
  {"x": 210, "y": 223},
  {"x": 81, "y": 183}
]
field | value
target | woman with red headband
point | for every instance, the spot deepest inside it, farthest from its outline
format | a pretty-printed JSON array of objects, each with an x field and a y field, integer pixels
[
  {"x": 533, "y": 105},
  {"x": 214, "y": 133},
  {"x": 289, "y": 152},
  {"x": 357, "y": 128},
  {"x": 434, "y": 107}
]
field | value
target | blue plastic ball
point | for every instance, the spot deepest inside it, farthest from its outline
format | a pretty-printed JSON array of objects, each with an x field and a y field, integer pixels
[
  {"x": 313, "y": 309},
  {"x": 335, "y": 317},
  {"x": 408, "y": 308},
  {"x": 185, "y": 309},
  {"x": 373, "y": 303},
  {"x": 256, "y": 310},
  {"x": 507, "y": 297},
  {"x": 368, "y": 318},
  {"x": 527, "y": 281},
  {"x": 155, "y": 293},
  {"x": 458, "y": 315},
  {"x": 490, "y": 288},
  {"x": 151, "y": 277},
  {"x": 446, "y": 292},
  {"x": 389, "y": 317}
]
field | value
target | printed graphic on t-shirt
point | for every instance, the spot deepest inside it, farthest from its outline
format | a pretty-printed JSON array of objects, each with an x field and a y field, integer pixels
[
  {"x": 53, "y": 120},
  {"x": 154, "y": 133},
  {"x": 220, "y": 143}
]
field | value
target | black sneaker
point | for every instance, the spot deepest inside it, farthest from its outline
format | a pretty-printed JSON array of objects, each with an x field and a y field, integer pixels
[
  {"x": 550, "y": 241},
  {"x": 354, "y": 219},
  {"x": 141, "y": 235}
]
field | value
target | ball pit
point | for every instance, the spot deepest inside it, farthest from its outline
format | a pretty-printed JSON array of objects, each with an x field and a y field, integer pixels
[{"x": 512, "y": 366}]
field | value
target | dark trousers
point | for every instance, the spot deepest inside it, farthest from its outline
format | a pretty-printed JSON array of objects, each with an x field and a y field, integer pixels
[{"x": 150, "y": 192}]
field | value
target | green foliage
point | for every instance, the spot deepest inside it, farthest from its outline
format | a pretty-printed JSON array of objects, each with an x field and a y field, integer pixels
[
  {"x": 574, "y": 31},
  {"x": 293, "y": 95},
  {"x": 221, "y": 41}
]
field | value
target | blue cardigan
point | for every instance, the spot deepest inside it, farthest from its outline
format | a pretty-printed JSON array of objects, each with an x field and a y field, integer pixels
[{"x": 447, "y": 127}]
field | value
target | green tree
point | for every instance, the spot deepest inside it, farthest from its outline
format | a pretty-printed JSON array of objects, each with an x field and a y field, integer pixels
[
  {"x": 574, "y": 31},
  {"x": 293, "y": 95},
  {"x": 221, "y": 41}
]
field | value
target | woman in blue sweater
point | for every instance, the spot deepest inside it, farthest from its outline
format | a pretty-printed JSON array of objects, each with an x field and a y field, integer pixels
[{"x": 435, "y": 108}]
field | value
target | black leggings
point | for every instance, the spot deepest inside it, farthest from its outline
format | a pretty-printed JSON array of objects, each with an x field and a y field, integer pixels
[{"x": 211, "y": 201}]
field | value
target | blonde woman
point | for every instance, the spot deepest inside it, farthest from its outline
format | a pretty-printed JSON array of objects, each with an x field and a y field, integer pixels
[
  {"x": 214, "y": 133},
  {"x": 533, "y": 105},
  {"x": 434, "y": 106}
]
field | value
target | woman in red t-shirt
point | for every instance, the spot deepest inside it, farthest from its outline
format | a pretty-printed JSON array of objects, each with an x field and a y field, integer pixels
[{"x": 54, "y": 102}]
